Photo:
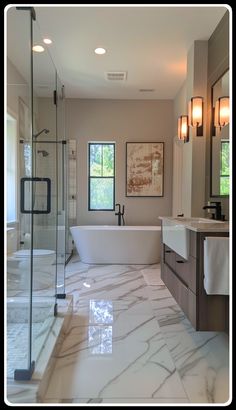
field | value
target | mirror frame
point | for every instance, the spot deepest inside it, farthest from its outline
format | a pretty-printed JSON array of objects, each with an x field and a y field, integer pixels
[{"x": 211, "y": 136}]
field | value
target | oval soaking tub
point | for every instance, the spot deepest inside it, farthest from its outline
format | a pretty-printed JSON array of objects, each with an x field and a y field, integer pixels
[{"x": 117, "y": 244}]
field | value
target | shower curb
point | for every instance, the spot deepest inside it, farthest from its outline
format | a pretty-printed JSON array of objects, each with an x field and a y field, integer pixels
[{"x": 59, "y": 331}]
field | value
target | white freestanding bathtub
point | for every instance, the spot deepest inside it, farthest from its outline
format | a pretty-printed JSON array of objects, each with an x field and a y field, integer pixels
[{"x": 117, "y": 244}]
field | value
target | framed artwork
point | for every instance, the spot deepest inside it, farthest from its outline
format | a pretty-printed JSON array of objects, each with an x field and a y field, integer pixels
[{"x": 144, "y": 169}]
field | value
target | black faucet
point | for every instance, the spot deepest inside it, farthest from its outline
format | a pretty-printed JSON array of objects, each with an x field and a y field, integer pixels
[
  {"x": 119, "y": 213},
  {"x": 217, "y": 207}
]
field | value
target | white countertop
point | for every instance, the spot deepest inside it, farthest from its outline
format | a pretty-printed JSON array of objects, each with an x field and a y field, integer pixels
[{"x": 199, "y": 224}]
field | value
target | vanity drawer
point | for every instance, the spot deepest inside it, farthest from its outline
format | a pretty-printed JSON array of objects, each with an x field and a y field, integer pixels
[
  {"x": 169, "y": 257},
  {"x": 186, "y": 270},
  {"x": 192, "y": 308},
  {"x": 178, "y": 290},
  {"x": 182, "y": 268}
]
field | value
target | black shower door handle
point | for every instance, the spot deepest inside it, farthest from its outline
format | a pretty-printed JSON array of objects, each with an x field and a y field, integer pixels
[{"x": 22, "y": 196}]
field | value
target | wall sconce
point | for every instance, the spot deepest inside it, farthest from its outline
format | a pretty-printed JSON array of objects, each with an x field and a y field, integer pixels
[
  {"x": 195, "y": 114},
  {"x": 221, "y": 117},
  {"x": 183, "y": 133}
]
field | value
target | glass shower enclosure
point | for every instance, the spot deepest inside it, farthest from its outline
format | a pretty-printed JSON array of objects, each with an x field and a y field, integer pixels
[{"x": 35, "y": 138}]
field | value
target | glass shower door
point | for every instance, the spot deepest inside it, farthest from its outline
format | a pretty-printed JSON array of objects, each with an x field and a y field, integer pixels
[
  {"x": 20, "y": 364},
  {"x": 62, "y": 188},
  {"x": 44, "y": 224}
]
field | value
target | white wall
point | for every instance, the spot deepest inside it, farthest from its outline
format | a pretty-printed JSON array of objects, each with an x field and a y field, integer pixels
[{"x": 121, "y": 121}]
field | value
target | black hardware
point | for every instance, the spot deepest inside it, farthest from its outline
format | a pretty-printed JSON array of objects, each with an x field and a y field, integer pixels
[
  {"x": 63, "y": 141},
  {"x": 60, "y": 295},
  {"x": 120, "y": 214},
  {"x": 24, "y": 374},
  {"x": 55, "y": 97},
  {"x": 22, "y": 195},
  {"x": 40, "y": 132},
  {"x": 55, "y": 309},
  {"x": 32, "y": 11},
  {"x": 168, "y": 251},
  {"x": 180, "y": 261},
  {"x": 180, "y": 215},
  {"x": 217, "y": 206},
  {"x": 199, "y": 131}
]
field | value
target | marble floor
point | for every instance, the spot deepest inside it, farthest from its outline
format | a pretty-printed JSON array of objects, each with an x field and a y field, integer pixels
[{"x": 129, "y": 342}]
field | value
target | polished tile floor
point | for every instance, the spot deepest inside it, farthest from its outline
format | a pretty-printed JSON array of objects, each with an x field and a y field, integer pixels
[{"x": 129, "y": 342}]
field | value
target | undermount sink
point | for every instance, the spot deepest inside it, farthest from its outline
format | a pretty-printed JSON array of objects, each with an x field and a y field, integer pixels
[{"x": 197, "y": 220}]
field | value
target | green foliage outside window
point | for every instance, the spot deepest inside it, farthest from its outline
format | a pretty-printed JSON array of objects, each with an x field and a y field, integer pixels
[
  {"x": 101, "y": 176},
  {"x": 224, "y": 168}
]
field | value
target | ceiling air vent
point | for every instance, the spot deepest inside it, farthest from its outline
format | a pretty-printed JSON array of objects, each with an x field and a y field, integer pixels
[
  {"x": 116, "y": 75},
  {"x": 146, "y": 90}
]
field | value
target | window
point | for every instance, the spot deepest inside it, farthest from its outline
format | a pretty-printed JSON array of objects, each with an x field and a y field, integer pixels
[
  {"x": 224, "y": 168},
  {"x": 11, "y": 168},
  {"x": 101, "y": 177}
]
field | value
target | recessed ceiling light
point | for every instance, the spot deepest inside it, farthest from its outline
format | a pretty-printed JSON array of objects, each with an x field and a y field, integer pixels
[
  {"x": 100, "y": 50},
  {"x": 47, "y": 41},
  {"x": 39, "y": 49}
]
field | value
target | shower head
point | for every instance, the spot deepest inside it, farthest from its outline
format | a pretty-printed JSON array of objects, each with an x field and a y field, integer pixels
[
  {"x": 43, "y": 152},
  {"x": 40, "y": 132}
]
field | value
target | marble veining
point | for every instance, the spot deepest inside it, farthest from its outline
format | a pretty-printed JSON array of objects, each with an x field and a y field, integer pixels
[
  {"x": 199, "y": 224},
  {"x": 47, "y": 337},
  {"x": 129, "y": 342}
]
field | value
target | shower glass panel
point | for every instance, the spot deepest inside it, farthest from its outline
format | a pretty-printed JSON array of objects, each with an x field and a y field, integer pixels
[
  {"x": 61, "y": 184},
  {"x": 71, "y": 195},
  {"x": 44, "y": 238},
  {"x": 18, "y": 165},
  {"x": 36, "y": 190}
]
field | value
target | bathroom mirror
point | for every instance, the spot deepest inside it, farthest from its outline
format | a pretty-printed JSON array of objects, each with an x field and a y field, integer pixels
[{"x": 220, "y": 143}]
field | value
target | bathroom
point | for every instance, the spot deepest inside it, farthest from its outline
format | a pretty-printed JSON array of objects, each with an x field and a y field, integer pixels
[{"x": 53, "y": 191}]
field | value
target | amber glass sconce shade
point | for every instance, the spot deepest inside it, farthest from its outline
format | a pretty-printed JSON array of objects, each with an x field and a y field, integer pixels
[
  {"x": 183, "y": 131},
  {"x": 195, "y": 114},
  {"x": 221, "y": 112}
]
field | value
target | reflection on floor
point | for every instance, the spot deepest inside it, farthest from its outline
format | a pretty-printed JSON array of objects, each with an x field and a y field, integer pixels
[{"x": 128, "y": 341}]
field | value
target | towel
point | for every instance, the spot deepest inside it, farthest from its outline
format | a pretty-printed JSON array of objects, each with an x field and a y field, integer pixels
[{"x": 216, "y": 265}]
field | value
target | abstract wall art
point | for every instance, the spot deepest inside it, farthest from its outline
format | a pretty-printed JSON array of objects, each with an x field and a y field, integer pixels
[{"x": 144, "y": 169}]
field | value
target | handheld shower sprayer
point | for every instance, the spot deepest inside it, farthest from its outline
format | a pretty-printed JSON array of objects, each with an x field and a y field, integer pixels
[{"x": 40, "y": 132}]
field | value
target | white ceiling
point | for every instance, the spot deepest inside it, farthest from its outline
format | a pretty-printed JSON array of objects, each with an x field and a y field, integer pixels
[{"x": 149, "y": 43}]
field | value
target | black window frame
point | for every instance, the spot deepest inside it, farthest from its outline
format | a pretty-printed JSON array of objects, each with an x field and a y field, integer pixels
[
  {"x": 223, "y": 175},
  {"x": 89, "y": 176}
]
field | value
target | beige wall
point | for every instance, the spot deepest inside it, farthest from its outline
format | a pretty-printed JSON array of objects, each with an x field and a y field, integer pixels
[
  {"x": 180, "y": 108},
  {"x": 189, "y": 158},
  {"x": 206, "y": 62},
  {"x": 121, "y": 121}
]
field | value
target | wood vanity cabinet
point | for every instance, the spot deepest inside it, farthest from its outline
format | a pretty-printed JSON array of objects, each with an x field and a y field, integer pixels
[{"x": 184, "y": 279}]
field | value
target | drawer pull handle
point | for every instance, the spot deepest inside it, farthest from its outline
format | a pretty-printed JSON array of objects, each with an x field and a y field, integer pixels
[
  {"x": 168, "y": 251},
  {"x": 180, "y": 261}
]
